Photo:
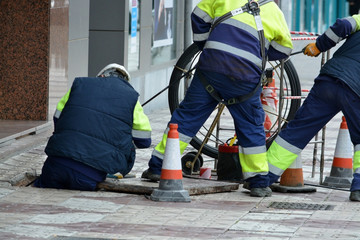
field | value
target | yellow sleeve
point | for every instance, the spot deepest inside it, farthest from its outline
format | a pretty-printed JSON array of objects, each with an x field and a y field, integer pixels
[
  {"x": 276, "y": 29},
  {"x": 60, "y": 106},
  {"x": 141, "y": 123}
]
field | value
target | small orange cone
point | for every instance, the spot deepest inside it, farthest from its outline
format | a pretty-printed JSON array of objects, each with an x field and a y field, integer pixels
[
  {"x": 341, "y": 170},
  {"x": 292, "y": 180},
  {"x": 171, "y": 185}
]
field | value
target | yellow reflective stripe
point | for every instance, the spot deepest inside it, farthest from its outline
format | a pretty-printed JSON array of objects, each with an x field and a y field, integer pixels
[
  {"x": 60, "y": 106},
  {"x": 356, "y": 159},
  {"x": 279, "y": 157},
  {"x": 141, "y": 121},
  {"x": 253, "y": 164}
]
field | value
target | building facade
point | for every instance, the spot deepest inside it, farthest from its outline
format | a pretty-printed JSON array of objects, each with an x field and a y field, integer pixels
[{"x": 47, "y": 43}]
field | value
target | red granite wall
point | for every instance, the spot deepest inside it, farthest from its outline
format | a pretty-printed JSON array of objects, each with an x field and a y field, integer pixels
[{"x": 24, "y": 51}]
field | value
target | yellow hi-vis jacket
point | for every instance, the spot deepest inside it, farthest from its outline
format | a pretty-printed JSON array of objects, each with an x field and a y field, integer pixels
[{"x": 233, "y": 47}]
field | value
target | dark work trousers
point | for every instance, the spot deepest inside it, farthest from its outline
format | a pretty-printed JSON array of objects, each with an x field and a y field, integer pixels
[
  {"x": 327, "y": 97},
  {"x": 62, "y": 173}
]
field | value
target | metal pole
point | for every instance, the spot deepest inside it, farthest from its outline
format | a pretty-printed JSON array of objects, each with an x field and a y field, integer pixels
[
  {"x": 281, "y": 100},
  {"x": 322, "y": 158},
  {"x": 314, "y": 155},
  {"x": 211, "y": 129}
]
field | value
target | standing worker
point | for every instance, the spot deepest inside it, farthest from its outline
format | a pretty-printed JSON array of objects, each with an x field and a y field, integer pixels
[
  {"x": 337, "y": 88},
  {"x": 96, "y": 124},
  {"x": 233, "y": 53}
]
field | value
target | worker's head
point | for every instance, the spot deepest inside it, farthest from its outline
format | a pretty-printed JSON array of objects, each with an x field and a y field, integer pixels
[{"x": 114, "y": 70}]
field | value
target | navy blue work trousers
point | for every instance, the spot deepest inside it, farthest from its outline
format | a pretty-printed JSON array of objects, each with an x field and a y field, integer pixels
[
  {"x": 60, "y": 176},
  {"x": 327, "y": 98}
]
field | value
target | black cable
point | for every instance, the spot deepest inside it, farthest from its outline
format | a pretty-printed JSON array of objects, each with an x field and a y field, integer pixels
[{"x": 170, "y": 85}]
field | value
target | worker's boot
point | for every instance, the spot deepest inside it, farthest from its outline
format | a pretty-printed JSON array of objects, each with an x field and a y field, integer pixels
[
  {"x": 355, "y": 196},
  {"x": 151, "y": 176},
  {"x": 260, "y": 192},
  {"x": 246, "y": 185}
]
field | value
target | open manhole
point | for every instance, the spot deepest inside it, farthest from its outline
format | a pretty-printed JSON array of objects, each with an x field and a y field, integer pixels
[{"x": 301, "y": 206}]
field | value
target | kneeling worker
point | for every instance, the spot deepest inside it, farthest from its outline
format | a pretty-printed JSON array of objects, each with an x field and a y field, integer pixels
[{"x": 96, "y": 126}]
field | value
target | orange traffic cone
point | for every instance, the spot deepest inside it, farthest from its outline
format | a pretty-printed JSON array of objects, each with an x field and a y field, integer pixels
[
  {"x": 171, "y": 185},
  {"x": 341, "y": 170},
  {"x": 292, "y": 180}
]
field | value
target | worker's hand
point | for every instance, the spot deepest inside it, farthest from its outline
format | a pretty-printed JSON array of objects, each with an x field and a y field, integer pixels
[{"x": 311, "y": 50}]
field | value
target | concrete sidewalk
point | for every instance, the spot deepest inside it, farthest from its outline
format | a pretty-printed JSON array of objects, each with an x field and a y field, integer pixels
[{"x": 32, "y": 213}]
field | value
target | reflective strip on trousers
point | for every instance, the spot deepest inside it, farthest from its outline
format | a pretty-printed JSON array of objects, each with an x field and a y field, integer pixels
[
  {"x": 253, "y": 161},
  {"x": 280, "y": 157},
  {"x": 356, "y": 159}
]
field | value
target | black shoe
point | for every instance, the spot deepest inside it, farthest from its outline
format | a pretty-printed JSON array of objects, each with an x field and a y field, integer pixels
[
  {"x": 355, "y": 196},
  {"x": 151, "y": 176},
  {"x": 246, "y": 185},
  {"x": 260, "y": 192}
]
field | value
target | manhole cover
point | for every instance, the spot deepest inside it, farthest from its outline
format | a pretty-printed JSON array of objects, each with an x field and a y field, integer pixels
[{"x": 301, "y": 206}]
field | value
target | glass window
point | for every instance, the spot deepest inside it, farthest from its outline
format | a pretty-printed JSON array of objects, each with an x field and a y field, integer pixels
[
  {"x": 134, "y": 35},
  {"x": 164, "y": 31}
]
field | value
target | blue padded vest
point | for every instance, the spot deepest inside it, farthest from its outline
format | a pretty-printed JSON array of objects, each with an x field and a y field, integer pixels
[{"x": 95, "y": 125}]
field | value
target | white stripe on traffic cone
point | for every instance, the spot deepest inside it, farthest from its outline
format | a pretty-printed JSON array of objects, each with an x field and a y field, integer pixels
[
  {"x": 341, "y": 170},
  {"x": 171, "y": 185}
]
